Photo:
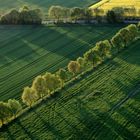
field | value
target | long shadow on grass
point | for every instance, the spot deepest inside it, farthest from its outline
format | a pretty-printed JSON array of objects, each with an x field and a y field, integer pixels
[
  {"x": 90, "y": 122},
  {"x": 130, "y": 116},
  {"x": 15, "y": 48},
  {"x": 49, "y": 127},
  {"x": 101, "y": 123},
  {"x": 30, "y": 135},
  {"x": 132, "y": 55},
  {"x": 10, "y": 135}
]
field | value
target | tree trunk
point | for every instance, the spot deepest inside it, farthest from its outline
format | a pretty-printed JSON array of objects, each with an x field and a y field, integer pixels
[
  {"x": 62, "y": 84},
  {"x": 1, "y": 122}
]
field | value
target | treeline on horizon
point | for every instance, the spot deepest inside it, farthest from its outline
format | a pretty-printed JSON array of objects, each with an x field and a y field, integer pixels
[
  {"x": 44, "y": 86},
  {"x": 115, "y": 15},
  {"x": 59, "y": 14},
  {"x": 24, "y": 15}
]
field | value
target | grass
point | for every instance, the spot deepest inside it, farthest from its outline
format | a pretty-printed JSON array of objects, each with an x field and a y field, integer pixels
[
  {"x": 102, "y": 105},
  {"x": 42, "y": 4},
  {"x": 26, "y": 52}
]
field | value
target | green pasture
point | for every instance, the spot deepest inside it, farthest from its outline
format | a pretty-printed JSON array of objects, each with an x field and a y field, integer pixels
[
  {"x": 103, "y": 104},
  {"x": 5, "y": 5},
  {"x": 26, "y": 52}
]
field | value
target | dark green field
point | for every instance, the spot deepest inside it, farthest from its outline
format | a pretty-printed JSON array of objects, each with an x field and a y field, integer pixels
[
  {"x": 102, "y": 105},
  {"x": 43, "y": 4},
  {"x": 26, "y": 52}
]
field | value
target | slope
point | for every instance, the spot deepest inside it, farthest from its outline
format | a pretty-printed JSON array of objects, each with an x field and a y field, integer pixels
[
  {"x": 102, "y": 105},
  {"x": 28, "y": 51}
]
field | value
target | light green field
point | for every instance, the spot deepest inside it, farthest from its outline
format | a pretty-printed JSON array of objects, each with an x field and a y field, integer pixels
[
  {"x": 110, "y": 4},
  {"x": 26, "y": 52},
  {"x": 79, "y": 112},
  {"x": 42, "y": 4}
]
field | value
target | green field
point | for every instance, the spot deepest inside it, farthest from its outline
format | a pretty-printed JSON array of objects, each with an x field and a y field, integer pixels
[
  {"x": 102, "y": 105},
  {"x": 43, "y": 4},
  {"x": 26, "y": 52}
]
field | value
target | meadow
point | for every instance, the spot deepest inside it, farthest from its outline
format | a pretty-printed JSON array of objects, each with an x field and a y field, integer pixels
[
  {"x": 28, "y": 51},
  {"x": 42, "y": 4},
  {"x": 104, "y": 104}
]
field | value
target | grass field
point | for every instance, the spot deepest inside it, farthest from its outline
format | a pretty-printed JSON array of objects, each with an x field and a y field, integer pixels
[
  {"x": 43, "y": 4},
  {"x": 26, "y": 52},
  {"x": 80, "y": 112}
]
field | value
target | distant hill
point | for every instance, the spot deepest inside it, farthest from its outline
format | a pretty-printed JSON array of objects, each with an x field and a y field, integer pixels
[{"x": 43, "y": 4}]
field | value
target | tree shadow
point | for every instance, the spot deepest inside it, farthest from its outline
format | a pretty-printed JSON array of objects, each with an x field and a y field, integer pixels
[
  {"x": 49, "y": 127},
  {"x": 10, "y": 135},
  {"x": 132, "y": 54},
  {"x": 130, "y": 116},
  {"x": 29, "y": 134},
  {"x": 101, "y": 123}
]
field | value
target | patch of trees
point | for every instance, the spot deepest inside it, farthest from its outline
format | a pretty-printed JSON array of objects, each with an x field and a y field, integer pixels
[
  {"x": 9, "y": 110},
  {"x": 60, "y": 13},
  {"x": 24, "y": 16},
  {"x": 116, "y": 15},
  {"x": 120, "y": 14},
  {"x": 44, "y": 86}
]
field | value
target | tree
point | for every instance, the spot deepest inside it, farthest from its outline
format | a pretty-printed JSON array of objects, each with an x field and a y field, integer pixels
[
  {"x": 117, "y": 42},
  {"x": 111, "y": 16},
  {"x": 29, "y": 96},
  {"x": 98, "y": 12},
  {"x": 103, "y": 48},
  {"x": 52, "y": 82},
  {"x": 56, "y": 12},
  {"x": 14, "y": 106},
  {"x": 10, "y": 18},
  {"x": 62, "y": 73},
  {"x": 23, "y": 16},
  {"x": 88, "y": 56},
  {"x": 92, "y": 56},
  {"x": 81, "y": 61},
  {"x": 119, "y": 12},
  {"x": 74, "y": 67},
  {"x": 77, "y": 13},
  {"x": 133, "y": 29},
  {"x": 39, "y": 86},
  {"x": 96, "y": 57},
  {"x": 30, "y": 16},
  {"x": 36, "y": 16},
  {"x": 4, "y": 112},
  {"x": 88, "y": 15},
  {"x": 24, "y": 8},
  {"x": 126, "y": 36}
]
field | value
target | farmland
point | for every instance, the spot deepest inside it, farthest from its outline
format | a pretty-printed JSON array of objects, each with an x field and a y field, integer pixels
[
  {"x": 109, "y": 4},
  {"x": 104, "y": 104},
  {"x": 26, "y": 52},
  {"x": 42, "y": 4}
]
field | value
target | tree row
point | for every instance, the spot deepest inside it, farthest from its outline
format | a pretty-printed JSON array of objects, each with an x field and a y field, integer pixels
[
  {"x": 23, "y": 16},
  {"x": 59, "y": 14},
  {"x": 46, "y": 85}
]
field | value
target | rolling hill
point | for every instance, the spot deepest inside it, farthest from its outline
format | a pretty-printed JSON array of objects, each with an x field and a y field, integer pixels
[
  {"x": 43, "y": 4},
  {"x": 102, "y": 105},
  {"x": 28, "y": 51}
]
